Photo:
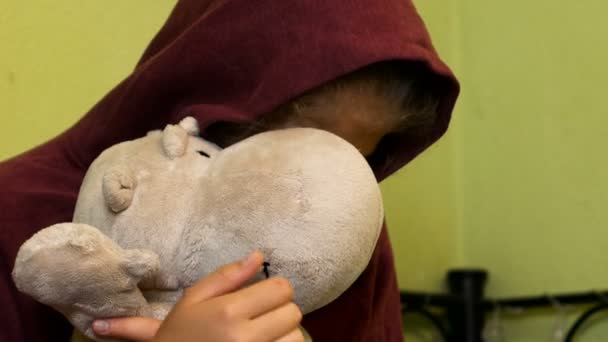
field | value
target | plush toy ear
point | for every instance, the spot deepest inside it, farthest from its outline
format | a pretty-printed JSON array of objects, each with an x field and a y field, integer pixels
[
  {"x": 175, "y": 141},
  {"x": 153, "y": 132},
  {"x": 190, "y": 125},
  {"x": 118, "y": 188},
  {"x": 175, "y": 137}
]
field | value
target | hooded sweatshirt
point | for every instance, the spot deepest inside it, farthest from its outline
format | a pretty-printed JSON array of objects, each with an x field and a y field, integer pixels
[{"x": 226, "y": 60}]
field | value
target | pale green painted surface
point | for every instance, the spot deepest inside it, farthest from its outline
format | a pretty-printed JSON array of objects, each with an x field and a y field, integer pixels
[
  {"x": 535, "y": 129},
  {"x": 530, "y": 170},
  {"x": 424, "y": 200},
  {"x": 58, "y": 58},
  {"x": 517, "y": 186},
  {"x": 535, "y": 133}
]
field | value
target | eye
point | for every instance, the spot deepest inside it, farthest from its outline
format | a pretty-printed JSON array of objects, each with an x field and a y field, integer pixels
[
  {"x": 266, "y": 271},
  {"x": 204, "y": 154}
]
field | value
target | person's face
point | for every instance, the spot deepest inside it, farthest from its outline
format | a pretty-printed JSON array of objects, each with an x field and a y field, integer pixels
[{"x": 360, "y": 117}]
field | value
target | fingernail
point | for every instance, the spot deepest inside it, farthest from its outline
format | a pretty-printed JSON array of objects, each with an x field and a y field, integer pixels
[
  {"x": 101, "y": 327},
  {"x": 250, "y": 259}
]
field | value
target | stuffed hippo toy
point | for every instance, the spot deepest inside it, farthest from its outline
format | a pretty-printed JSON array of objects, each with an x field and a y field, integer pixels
[{"x": 156, "y": 214}]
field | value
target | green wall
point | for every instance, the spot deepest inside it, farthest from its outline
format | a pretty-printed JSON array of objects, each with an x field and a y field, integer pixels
[
  {"x": 534, "y": 133},
  {"x": 517, "y": 186},
  {"x": 59, "y": 57},
  {"x": 527, "y": 155},
  {"x": 424, "y": 200}
]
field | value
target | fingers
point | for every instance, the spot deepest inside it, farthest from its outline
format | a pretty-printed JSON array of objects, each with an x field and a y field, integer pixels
[
  {"x": 268, "y": 303},
  {"x": 137, "y": 329},
  {"x": 277, "y": 323},
  {"x": 261, "y": 297},
  {"x": 294, "y": 336},
  {"x": 224, "y": 280}
]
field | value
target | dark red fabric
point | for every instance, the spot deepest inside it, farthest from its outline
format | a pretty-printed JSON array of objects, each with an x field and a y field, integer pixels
[{"x": 230, "y": 60}]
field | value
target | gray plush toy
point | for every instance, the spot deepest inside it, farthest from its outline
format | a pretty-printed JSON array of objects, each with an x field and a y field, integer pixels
[{"x": 156, "y": 214}]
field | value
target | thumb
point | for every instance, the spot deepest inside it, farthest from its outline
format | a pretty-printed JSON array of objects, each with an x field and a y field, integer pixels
[
  {"x": 136, "y": 329},
  {"x": 224, "y": 280}
]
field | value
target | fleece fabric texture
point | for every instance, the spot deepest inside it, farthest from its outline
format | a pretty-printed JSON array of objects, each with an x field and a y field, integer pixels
[
  {"x": 225, "y": 60},
  {"x": 156, "y": 214}
]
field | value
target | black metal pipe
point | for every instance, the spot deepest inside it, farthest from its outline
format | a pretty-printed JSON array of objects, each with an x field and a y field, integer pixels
[
  {"x": 464, "y": 306},
  {"x": 550, "y": 300},
  {"x": 421, "y": 299},
  {"x": 466, "y": 320}
]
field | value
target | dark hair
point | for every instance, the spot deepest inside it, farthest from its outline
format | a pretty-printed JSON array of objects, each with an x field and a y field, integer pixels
[{"x": 410, "y": 86}]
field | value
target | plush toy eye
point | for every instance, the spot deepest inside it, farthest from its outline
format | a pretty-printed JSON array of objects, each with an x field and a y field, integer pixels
[
  {"x": 266, "y": 271},
  {"x": 204, "y": 154}
]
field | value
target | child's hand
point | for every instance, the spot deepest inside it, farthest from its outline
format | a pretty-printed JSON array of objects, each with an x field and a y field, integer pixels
[{"x": 209, "y": 310}]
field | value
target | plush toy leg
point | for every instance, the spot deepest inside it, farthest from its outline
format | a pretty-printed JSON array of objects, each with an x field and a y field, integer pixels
[{"x": 80, "y": 272}]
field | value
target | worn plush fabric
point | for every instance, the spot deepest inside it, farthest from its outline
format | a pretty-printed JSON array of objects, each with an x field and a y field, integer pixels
[
  {"x": 156, "y": 214},
  {"x": 225, "y": 61}
]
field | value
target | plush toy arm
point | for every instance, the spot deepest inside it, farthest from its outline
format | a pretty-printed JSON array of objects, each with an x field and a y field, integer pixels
[{"x": 83, "y": 274}]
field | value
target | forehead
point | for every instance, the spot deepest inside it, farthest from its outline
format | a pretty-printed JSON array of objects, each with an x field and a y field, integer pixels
[
  {"x": 357, "y": 105},
  {"x": 360, "y": 115}
]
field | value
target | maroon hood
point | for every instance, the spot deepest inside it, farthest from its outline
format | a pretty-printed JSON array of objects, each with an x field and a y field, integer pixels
[
  {"x": 237, "y": 60},
  {"x": 230, "y": 60}
]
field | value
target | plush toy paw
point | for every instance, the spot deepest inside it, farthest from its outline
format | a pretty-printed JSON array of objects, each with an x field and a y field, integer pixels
[{"x": 55, "y": 264}]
